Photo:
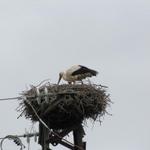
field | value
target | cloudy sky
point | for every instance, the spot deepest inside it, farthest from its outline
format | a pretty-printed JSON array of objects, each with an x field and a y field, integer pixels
[{"x": 40, "y": 38}]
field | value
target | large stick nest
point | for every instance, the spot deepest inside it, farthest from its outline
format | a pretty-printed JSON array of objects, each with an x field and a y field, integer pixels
[{"x": 63, "y": 106}]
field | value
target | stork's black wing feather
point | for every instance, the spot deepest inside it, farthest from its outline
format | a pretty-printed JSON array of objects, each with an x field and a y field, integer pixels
[{"x": 83, "y": 70}]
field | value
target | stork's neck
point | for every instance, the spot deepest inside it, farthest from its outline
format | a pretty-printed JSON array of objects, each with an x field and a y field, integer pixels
[{"x": 64, "y": 75}]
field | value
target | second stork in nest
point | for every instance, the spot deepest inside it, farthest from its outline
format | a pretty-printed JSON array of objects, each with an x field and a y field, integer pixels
[{"x": 76, "y": 73}]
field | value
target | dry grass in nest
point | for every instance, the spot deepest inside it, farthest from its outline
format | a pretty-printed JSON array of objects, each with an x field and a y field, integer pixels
[{"x": 63, "y": 106}]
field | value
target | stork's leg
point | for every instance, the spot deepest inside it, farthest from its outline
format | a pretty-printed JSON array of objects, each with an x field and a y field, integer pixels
[
  {"x": 89, "y": 81},
  {"x": 81, "y": 82}
]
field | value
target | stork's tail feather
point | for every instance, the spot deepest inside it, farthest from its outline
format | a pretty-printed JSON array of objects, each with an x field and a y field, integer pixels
[{"x": 93, "y": 72}]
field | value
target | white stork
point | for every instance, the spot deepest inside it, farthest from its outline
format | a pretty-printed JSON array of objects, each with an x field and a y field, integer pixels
[{"x": 76, "y": 73}]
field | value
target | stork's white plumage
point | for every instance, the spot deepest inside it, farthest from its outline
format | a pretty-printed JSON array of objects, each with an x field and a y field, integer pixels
[{"x": 76, "y": 73}]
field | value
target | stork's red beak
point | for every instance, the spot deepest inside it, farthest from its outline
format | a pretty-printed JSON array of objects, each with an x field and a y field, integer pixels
[{"x": 60, "y": 76}]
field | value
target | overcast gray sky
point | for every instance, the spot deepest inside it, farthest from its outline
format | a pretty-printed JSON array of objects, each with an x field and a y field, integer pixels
[{"x": 40, "y": 38}]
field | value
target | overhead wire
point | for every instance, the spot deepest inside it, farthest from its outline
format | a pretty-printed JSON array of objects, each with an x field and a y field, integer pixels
[{"x": 11, "y": 98}]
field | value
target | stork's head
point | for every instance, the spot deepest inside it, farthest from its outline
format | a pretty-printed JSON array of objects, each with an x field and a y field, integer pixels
[{"x": 60, "y": 77}]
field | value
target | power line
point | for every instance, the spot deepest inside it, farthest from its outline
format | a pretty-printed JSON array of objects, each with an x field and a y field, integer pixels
[
  {"x": 16, "y": 139},
  {"x": 24, "y": 135},
  {"x": 20, "y": 98},
  {"x": 10, "y": 98}
]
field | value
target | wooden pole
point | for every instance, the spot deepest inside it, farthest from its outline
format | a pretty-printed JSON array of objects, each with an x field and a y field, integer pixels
[
  {"x": 78, "y": 134},
  {"x": 43, "y": 137},
  {"x": 46, "y": 136}
]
